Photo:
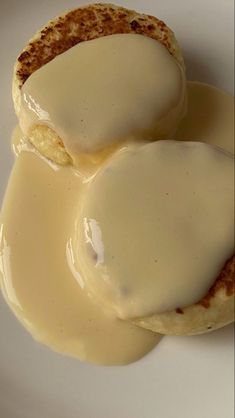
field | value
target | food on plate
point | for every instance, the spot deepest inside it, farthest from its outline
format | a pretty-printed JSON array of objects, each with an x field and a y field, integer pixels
[
  {"x": 117, "y": 223},
  {"x": 138, "y": 243}
]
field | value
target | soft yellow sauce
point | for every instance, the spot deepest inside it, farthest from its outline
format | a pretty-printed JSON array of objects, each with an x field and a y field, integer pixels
[
  {"x": 104, "y": 91},
  {"x": 36, "y": 267},
  {"x": 156, "y": 226},
  {"x": 209, "y": 118},
  {"x": 41, "y": 276}
]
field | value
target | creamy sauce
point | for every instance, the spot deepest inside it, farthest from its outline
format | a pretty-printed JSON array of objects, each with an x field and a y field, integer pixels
[
  {"x": 40, "y": 275},
  {"x": 209, "y": 118},
  {"x": 156, "y": 226},
  {"x": 35, "y": 253},
  {"x": 104, "y": 91}
]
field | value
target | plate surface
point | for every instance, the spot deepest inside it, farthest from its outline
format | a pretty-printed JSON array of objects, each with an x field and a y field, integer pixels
[{"x": 183, "y": 377}]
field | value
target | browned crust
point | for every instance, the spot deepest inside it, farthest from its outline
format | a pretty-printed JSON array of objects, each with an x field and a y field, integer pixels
[
  {"x": 88, "y": 23},
  {"x": 225, "y": 281}
]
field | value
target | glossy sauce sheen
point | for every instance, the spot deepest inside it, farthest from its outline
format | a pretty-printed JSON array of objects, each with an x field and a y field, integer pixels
[
  {"x": 104, "y": 91},
  {"x": 36, "y": 269},
  {"x": 37, "y": 265},
  {"x": 141, "y": 223}
]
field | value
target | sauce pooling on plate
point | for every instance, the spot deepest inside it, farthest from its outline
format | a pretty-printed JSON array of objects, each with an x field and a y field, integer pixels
[
  {"x": 49, "y": 248},
  {"x": 36, "y": 269},
  {"x": 40, "y": 276},
  {"x": 209, "y": 118}
]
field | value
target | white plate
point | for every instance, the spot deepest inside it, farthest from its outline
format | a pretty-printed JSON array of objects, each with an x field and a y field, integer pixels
[{"x": 183, "y": 377}]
